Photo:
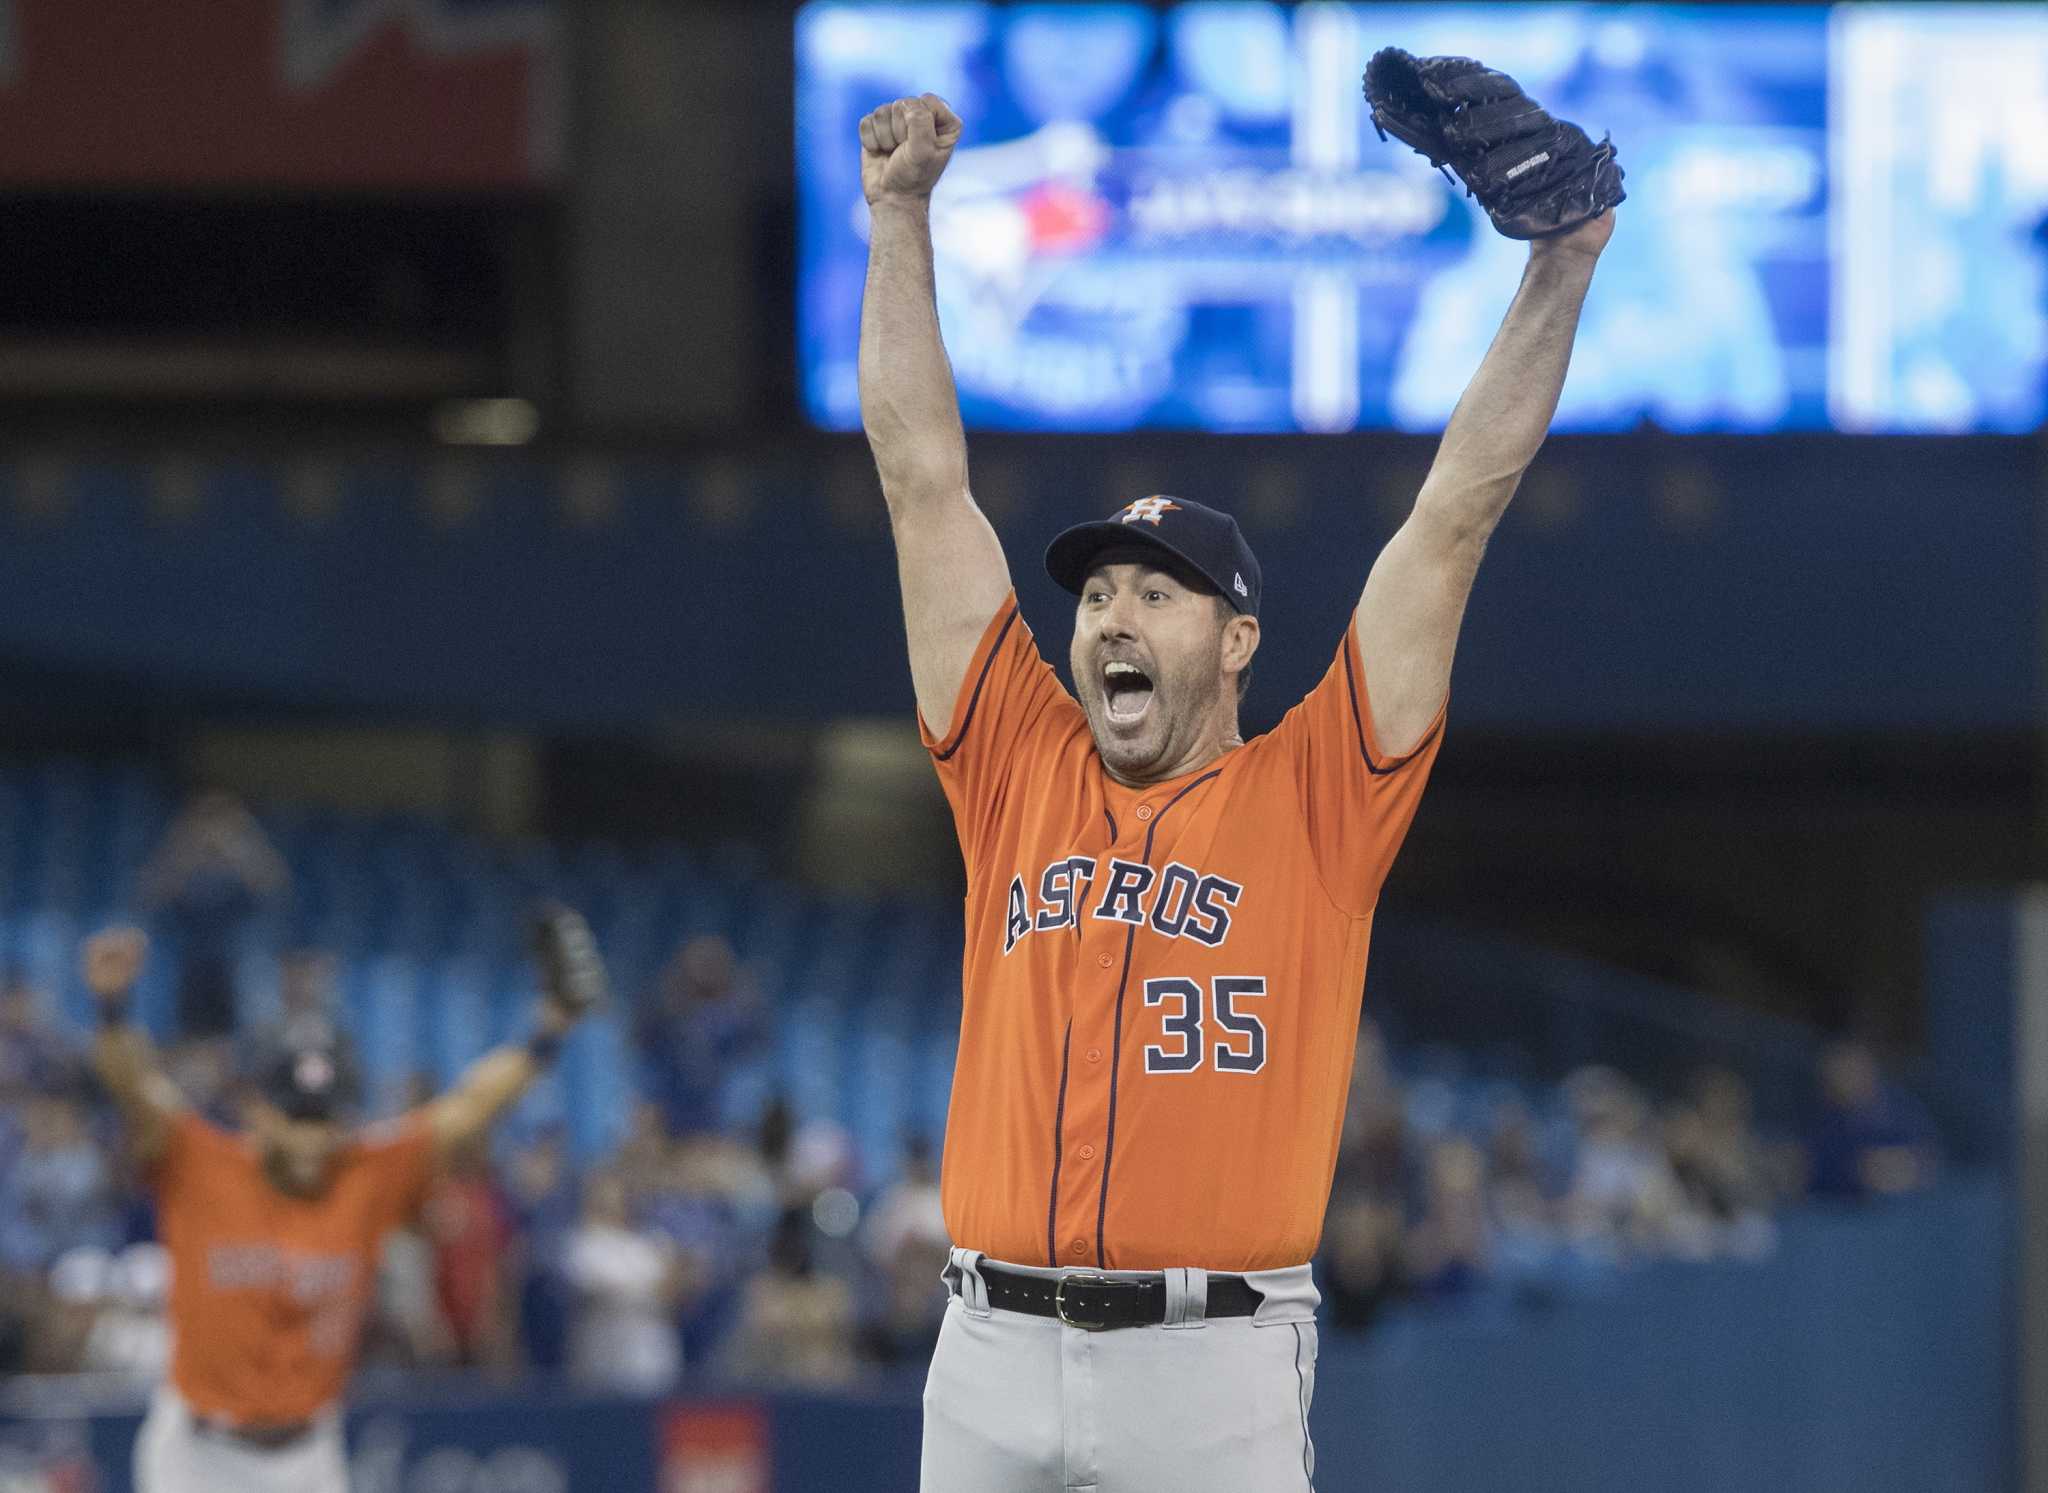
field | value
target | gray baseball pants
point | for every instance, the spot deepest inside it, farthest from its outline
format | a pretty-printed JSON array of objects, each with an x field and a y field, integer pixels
[
  {"x": 1022, "y": 1404},
  {"x": 173, "y": 1456}
]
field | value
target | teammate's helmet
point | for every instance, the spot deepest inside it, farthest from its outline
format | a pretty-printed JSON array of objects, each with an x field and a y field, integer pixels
[
  {"x": 1197, "y": 536},
  {"x": 306, "y": 1071}
]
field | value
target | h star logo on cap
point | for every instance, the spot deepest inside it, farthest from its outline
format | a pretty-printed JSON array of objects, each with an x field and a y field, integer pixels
[{"x": 1151, "y": 510}]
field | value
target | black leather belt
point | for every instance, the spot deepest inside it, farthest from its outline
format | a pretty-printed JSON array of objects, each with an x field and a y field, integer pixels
[
  {"x": 262, "y": 1438},
  {"x": 1099, "y": 1302}
]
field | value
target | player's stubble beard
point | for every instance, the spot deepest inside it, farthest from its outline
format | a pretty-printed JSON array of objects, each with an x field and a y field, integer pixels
[{"x": 1186, "y": 696}]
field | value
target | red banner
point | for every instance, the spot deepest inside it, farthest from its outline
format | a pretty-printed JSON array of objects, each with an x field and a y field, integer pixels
[
  {"x": 372, "y": 94},
  {"x": 715, "y": 1449}
]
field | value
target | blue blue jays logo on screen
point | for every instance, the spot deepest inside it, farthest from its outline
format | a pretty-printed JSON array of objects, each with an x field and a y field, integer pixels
[
  {"x": 320, "y": 35},
  {"x": 1181, "y": 216}
]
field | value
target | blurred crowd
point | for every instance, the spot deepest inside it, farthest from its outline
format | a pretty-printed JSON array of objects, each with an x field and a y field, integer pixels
[
  {"x": 775, "y": 1252},
  {"x": 1486, "y": 1195}
]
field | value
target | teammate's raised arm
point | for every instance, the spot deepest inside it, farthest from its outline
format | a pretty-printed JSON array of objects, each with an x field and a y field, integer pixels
[
  {"x": 572, "y": 980},
  {"x": 1539, "y": 178},
  {"x": 949, "y": 561},
  {"x": 122, "y": 1056}
]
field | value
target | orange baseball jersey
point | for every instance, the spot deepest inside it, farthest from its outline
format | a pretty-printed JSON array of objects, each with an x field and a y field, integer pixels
[
  {"x": 269, "y": 1291},
  {"x": 1162, "y": 984}
]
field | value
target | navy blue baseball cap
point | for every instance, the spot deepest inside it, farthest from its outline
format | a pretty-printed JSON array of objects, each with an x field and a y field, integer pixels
[
  {"x": 307, "y": 1071},
  {"x": 1203, "y": 539}
]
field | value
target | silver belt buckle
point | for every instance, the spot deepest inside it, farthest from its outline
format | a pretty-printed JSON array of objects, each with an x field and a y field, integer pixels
[{"x": 1059, "y": 1298}]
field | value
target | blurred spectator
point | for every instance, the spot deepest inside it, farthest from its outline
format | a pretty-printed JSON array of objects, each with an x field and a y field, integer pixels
[
  {"x": 540, "y": 1195},
  {"x": 305, "y": 984},
  {"x": 1873, "y": 1138},
  {"x": 1362, "y": 1231},
  {"x": 1721, "y": 1165},
  {"x": 468, "y": 1225},
  {"x": 107, "y": 1312},
  {"x": 1447, "y": 1253},
  {"x": 908, "y": 1212},
  {"x": 214, "y": 871},
  {"x": 798, "y": 1161},
  {"x": 719, "y": 1206},
  {"x": 907, "y": 1248},
  {"x": 33, "y": 1054},
  {"x": 642, "y": 1160},
  {"x": 1373, "y": 1148},
  {"x": 904, "y": 1328},
  {"x": 1361, "y": 1258},
  {"x": 1521, "y": 1213},
  {"x": 57, "y": 1193},
  {"x": 821, "y": 1156},
  {"x": 628, "y": 1283},
  {"x": 796, "y": 1324},
  {"x": 703, "y": 1019},
  {"x": 1623, "y": 1199},
  {"x": 406, "y": 1329},
  {"x": 409, "y": 1329},
  {"x": 204, "y": 1069}
]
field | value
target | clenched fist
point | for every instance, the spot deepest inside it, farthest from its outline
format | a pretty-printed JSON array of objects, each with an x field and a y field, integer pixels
[
  {"x": 904, "y": 147},
  {"x": 112, "y": 961}
]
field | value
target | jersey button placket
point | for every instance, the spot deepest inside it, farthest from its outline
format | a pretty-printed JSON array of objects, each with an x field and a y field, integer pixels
[{"x": 1101, "y": 958}]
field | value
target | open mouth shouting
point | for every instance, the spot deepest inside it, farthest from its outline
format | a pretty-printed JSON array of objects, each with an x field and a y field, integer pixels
[{"x": 1126, "y": 693}]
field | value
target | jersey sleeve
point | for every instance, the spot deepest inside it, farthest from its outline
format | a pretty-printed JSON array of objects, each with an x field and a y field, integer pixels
[
  {"x": 190, "y": 1146},
  {"x": 1358, "y": 801},
  {"x": 399, "y": 1155},
  {"x": 1011, "y": 704}
]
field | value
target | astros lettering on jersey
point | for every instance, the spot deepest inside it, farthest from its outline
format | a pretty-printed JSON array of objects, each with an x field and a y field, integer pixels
[
  {"x": 1162, "y": 984},
  {"x": 269, "y": 1291}
]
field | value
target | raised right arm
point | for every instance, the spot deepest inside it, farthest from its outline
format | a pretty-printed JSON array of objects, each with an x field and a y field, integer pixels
[
  {"x": 122, "y": 1055},
  {"x": 948, "y": 559}
]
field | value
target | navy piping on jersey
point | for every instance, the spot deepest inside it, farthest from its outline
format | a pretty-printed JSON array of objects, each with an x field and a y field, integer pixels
[
  {"x": 1116, "y": 1042},
  {"x": 1059, "y": 1121},
  {"x": 1358, "y": 725},
  {"x": 981, "y": 679},
  {"x": 1301, "y": 1400}
]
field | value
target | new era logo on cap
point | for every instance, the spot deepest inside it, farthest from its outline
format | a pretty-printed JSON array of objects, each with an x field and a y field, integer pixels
[
  {"x": 1150, "y": 510},
  {"x": 1238, "y": 581}
]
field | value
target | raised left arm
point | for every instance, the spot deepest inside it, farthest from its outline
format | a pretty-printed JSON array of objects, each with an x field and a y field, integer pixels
[
  {"x": 1414, "y": 601},
  {"x": 494, "y": 1083},
  {"x": 572, "y": 981}
]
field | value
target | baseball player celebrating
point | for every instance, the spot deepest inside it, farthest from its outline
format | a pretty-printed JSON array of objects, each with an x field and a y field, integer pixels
[
  {"x": 1166, "y": 923},
  {"x": 274, "y": 1235}
]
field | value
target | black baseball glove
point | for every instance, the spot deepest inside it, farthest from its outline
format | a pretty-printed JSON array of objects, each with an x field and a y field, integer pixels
[
  {"x": 571, "y": 970},
  {"x": 1534, "y": 174}
]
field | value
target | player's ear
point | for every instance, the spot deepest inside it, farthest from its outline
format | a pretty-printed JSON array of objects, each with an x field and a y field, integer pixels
[{"x": 1240, "y": 642}]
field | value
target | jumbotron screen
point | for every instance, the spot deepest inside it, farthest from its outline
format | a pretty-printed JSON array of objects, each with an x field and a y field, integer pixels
[{"x": 1183, "y": 218}]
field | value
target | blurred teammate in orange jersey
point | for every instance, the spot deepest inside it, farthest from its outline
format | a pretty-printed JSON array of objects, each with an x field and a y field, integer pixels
[{"x": 274, "y": 1234}]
